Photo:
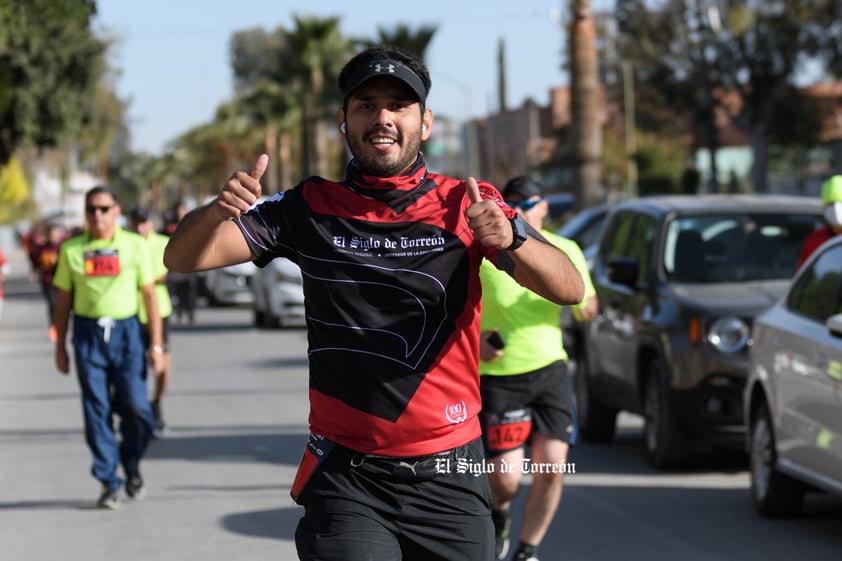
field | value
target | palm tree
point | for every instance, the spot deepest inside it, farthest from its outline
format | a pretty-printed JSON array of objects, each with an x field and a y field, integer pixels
[
  {"x": 207, "y": 153},
  {"x": 402, "y": 36},
  {"x": 313, "y": 55},
  {"x": 266, "y": 94},
  {"x": 273, "y": 108}
]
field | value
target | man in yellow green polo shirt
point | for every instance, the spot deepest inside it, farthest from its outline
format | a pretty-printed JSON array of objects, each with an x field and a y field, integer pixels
[
  {"x": 97, "y": 278},
  {"x": 526, "y": 392},
  {"x": 142, "y": 223}
]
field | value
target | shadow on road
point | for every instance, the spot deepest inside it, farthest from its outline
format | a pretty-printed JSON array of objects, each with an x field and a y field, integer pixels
[
  {"x": 275, "y": 448},
  {"x": 277, "y": 523}
]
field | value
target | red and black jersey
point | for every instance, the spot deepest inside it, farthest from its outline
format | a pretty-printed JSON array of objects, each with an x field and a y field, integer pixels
[{"x": 392, "y": 293}]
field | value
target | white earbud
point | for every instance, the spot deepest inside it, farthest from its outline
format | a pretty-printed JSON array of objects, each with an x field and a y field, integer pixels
[
  {"x": 423, "y": 128},
  {"x": 343, "y": 128}
]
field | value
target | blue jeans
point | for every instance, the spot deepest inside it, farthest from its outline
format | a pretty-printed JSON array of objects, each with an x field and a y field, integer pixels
[{"x": 111, "y": 366}]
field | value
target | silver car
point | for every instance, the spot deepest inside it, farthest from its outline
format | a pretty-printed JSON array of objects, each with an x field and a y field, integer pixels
[
  {"x": 793, "y": 399},
  {"x": 278, "y": 294},
  {"x": 229, "y": 285}
]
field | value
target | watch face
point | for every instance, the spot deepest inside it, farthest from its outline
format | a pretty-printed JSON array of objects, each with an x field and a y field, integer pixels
[{"x": 519, "y": 234}]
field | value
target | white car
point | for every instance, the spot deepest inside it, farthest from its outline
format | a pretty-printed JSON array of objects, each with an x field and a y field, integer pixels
[
  {"x": 278, "y": 294},
  {"x": 793, "y": 398},
  {"x": 229, "y": 285}
]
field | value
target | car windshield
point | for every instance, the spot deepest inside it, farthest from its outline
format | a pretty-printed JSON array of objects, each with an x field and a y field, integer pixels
[{"x": 735, "y": 248}]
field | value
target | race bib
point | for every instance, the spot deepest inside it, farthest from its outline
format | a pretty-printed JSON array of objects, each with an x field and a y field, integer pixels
[
  {"x": 508, "y": 431},
  {"x": 102, "y": 263},
  {"x": 48, "y": 259}
]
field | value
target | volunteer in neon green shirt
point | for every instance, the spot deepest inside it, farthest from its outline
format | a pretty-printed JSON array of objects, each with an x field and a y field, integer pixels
[
  {"x": 525, "y": 388},
  {"x": 529, "y": 323},
  {"x": 143, "y": 224},
  {"x": 98, "y": 275}
]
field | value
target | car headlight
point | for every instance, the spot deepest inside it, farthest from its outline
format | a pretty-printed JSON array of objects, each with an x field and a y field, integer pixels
[{"x": 729, "y": 334}]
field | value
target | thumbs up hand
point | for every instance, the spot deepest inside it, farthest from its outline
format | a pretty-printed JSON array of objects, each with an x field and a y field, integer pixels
[
  {"x": 487, "y": 220},
  {"x": 241, "y": 190}
]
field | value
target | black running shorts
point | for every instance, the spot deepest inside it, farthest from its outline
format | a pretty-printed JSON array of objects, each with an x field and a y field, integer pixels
[
  {"x": 367, "y": 508},
  {"x": 514, "y": 406}
]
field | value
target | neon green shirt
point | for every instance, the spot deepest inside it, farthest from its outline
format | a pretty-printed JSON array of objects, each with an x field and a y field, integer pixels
[
  {"x": 157, "y": 243},
  {"x": 104, "y": 275},
  {"x": 528, "y": 323}
]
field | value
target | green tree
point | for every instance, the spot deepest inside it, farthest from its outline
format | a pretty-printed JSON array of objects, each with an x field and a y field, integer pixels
[
  {"x": 754, "y": 49},
  {"x": 209, "y": 152},
  {"x": 759, "y": 53},
  {"x": 667, "y": 43},
  {"x": 50, "y": 67},
  {"x": 660, "y": 166}
]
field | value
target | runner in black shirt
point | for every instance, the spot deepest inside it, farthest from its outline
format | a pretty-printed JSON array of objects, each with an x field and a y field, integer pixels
[{"x": 393, "y": 468}]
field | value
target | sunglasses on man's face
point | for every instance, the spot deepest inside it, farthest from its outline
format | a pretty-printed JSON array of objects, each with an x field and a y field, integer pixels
[
  {"x": 91, "y": 209},
  {"x": 525, "y": 204}
]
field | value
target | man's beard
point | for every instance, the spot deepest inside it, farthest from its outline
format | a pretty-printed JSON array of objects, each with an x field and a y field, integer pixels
[{"x": 381, "y": 167}]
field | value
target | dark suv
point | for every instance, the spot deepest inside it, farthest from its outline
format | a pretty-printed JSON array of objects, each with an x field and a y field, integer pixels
[{"x": 679, "y": 280}]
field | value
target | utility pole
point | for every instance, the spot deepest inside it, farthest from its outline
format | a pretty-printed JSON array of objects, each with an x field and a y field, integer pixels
[
  {"x": 585, "y": 128},
  {"x": 501, "y": 75}
]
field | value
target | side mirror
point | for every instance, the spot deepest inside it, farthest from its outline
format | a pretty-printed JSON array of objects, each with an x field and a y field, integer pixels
[
  {"x": 834, "y": 325},
  {"x": 622, "y": 270}
]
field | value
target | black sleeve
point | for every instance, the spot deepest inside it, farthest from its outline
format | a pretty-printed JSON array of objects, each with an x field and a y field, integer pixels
[{"x": 269, "y": 228}]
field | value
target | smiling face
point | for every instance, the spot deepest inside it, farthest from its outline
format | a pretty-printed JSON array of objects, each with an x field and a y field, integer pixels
[{"x": 384, "y": 126}]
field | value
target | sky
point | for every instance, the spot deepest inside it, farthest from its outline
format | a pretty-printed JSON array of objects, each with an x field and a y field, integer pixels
[{"x": 172, "y": 55}]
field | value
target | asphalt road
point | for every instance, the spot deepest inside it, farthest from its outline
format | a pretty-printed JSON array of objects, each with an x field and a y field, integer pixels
[{"x": 219, "y": 482}]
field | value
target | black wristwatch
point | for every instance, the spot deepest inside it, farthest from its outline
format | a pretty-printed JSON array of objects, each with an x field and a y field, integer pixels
[{"x": 518, "y": 233}]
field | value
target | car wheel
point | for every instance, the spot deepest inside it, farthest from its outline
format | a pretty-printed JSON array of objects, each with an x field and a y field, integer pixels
[
  {"x": 663, "y": 443},
  {"x": 596, "y": 422},
  {"x": 259, "y": 318},
  {"x": 773, "y": 493}
]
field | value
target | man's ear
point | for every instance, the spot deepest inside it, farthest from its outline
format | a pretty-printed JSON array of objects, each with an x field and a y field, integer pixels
[
  {"x": 426, "y": 124},
  {"x": 340, "y": 120}
]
